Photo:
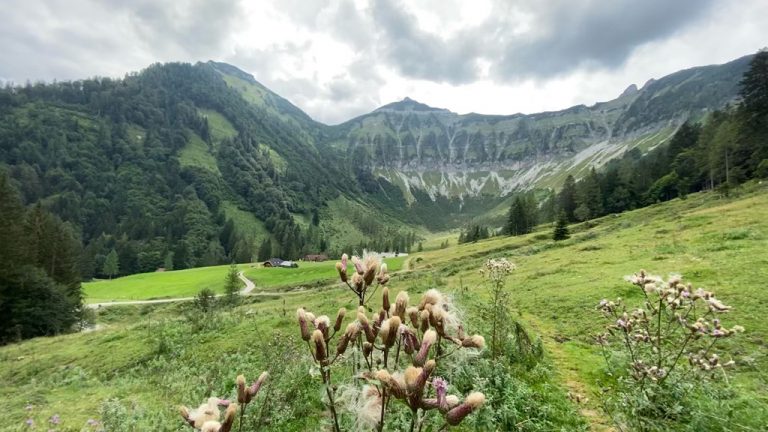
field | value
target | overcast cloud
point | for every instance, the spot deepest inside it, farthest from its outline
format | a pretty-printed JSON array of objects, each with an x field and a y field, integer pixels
[{"x": 339, "y": 59}]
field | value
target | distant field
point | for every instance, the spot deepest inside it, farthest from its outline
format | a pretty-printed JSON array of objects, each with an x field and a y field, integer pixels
[
  {"x": 307, "y": 273},
  {"x": 186, "y": 283},
  {"x": 145, "y": 286}
]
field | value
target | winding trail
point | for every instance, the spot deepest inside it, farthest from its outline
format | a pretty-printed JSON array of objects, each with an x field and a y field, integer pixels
[{"x": 246, "y": 291}]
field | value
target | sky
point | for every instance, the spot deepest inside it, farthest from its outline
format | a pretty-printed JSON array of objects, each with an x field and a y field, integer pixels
[{"x": 339, "y": 59}]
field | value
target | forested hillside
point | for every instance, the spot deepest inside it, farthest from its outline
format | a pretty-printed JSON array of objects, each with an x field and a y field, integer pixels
[{"x": 171, "y": 167}]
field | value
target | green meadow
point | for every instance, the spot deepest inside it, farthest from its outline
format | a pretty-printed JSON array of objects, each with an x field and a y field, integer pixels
[
  {"x": 143, "y": 361},
  {"x": 187, "y": 283}
]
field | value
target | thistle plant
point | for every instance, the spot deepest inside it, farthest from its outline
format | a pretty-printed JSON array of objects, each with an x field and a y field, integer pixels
[
  {"x": 496, "y": 271},
  {"x": 206, "y": 417},
  {"x": 674, "y": 322},
  {"x": 400, "y": 346},
  {"x": 367, "y": 269}
]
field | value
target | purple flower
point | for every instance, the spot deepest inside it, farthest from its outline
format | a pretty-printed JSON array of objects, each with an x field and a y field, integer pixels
[
  {"x": 30, "y": 422},
  {"x": 29, "y": 407},
  {"x": 92, "y": 422},
  {"x": 55, "y": 419}
]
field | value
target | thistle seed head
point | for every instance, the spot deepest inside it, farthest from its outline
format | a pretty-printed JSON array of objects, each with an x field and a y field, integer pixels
[
  {"x": 339, "y": 319},
  {"x": 242, "y": 394},
  {"x": 401, "y": 304},
  {"x": 385, "y": 298},
  {"x": 476, "y": 341},
  {"x": 321, "y": 353},
  {"x": 342, "y": 270}
]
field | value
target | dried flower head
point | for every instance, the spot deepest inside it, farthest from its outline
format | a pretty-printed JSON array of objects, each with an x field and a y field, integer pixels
[{"x": 471, "y": 403}]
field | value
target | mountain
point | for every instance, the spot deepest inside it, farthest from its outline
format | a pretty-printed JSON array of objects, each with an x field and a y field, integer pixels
[
  {"x": 184, "y": 165},
  {"x": 442, "y": 153}
]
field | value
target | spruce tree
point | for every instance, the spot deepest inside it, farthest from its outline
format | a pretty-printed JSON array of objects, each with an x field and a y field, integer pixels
[
  {"x": 567, "y": 198},
  {"x": 561, "y": 228},
  {"x": 232, "y": 285}
]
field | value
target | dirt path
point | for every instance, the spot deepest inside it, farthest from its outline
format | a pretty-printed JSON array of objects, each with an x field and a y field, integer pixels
[
  {"x": 569, "y": 377},
  {"x": 246, "y": 291}
]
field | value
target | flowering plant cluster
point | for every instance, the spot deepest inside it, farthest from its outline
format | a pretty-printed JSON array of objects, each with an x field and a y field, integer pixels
[
  {"x": 674, "y": 320},
  {"x": 496, "y": 271},
  {"x": 394, "y": 352},
  {"x": 207, "y": 417}
]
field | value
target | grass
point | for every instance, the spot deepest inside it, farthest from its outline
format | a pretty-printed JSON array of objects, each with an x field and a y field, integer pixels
[
  {"x": 147, "y": 359},
  {"x": 308, "y": 274},
  {"x": 157, "y": 285},
  {"x": 196, "y": 153},
  {"x": 187, "y": 283}
]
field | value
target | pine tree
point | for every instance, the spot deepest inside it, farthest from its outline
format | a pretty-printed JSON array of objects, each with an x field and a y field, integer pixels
[
  {"x": 561, "y": 228},
  {"x": 232, "y": 285},
  {"x": 111, "y": 266},
  {"x": 567, "y": 198}
]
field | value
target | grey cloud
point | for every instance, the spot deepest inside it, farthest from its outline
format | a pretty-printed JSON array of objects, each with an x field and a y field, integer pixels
[
  {"x": 419, "y": 54},
  {"x": 74, "y": 39},
  {"x": 592, "y": 34},
  {"x": 567, "y": 35}
]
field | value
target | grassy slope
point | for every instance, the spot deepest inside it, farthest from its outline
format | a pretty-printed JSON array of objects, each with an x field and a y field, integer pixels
[
  {"x": 196, "y": 153},
  {"x": 186, "y": 283},
  {"x": 716, "y": 243}
]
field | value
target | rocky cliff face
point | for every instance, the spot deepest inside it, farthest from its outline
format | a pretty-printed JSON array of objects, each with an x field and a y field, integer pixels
[{"x": 443, "y": 153}]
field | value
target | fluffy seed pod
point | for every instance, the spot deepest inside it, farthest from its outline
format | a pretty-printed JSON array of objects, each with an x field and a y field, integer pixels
[
  {"x": 384, "y": 332},
  {"x": 429, "y": 367},
  {"x": 401, "y": 304},
  {"x": 370, "y": 336},
  {"x": 184, "y": 411},
  {"x": 253, "y": 390},
  {"x": 452, "y": 401},
  {"x": 211, "y": 426},
  {"x": 371, "y": 266},
  {"x": 342, "y": 270},
  {"x": 229, "y": 418},
  {"x": 357, "y": 283},
  {"x": 470, "y": 404},
  {"x": 367, "y": 349},
  {"x": 385, "y": 298},
  {"x": 394, "y": 328},
  {"x": 322, "y": 323},
  {"x": 359, "y": 266},
  {"x": 383, "y": 276},
  {"x": 242, "y": 393},
  {"x": 426, "y": 342},
  {"x": 206, "y": 412},
  {"x": 321, "y": 352},
  {"x": 432, "y": 297},
  {"x": 410, "y": 341},
  {"x": 301, "y": 315},
  {"x": 475, "y": 341},
  {"x": 344, "y": 258},
  {"x": 339, "y": 319},
  {"x": 424, "y": 317},
  {"x": 391, "y": 384},
  {"x": 413, "y": 379},
  {"x": 413, "y": 315}
]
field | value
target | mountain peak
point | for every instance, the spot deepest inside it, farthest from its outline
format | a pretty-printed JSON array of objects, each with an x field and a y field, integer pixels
[{"x": 408, "y": 104}]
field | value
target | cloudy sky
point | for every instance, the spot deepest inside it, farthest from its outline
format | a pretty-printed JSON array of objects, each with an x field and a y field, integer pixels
[{"x": 342, "y": 58}]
